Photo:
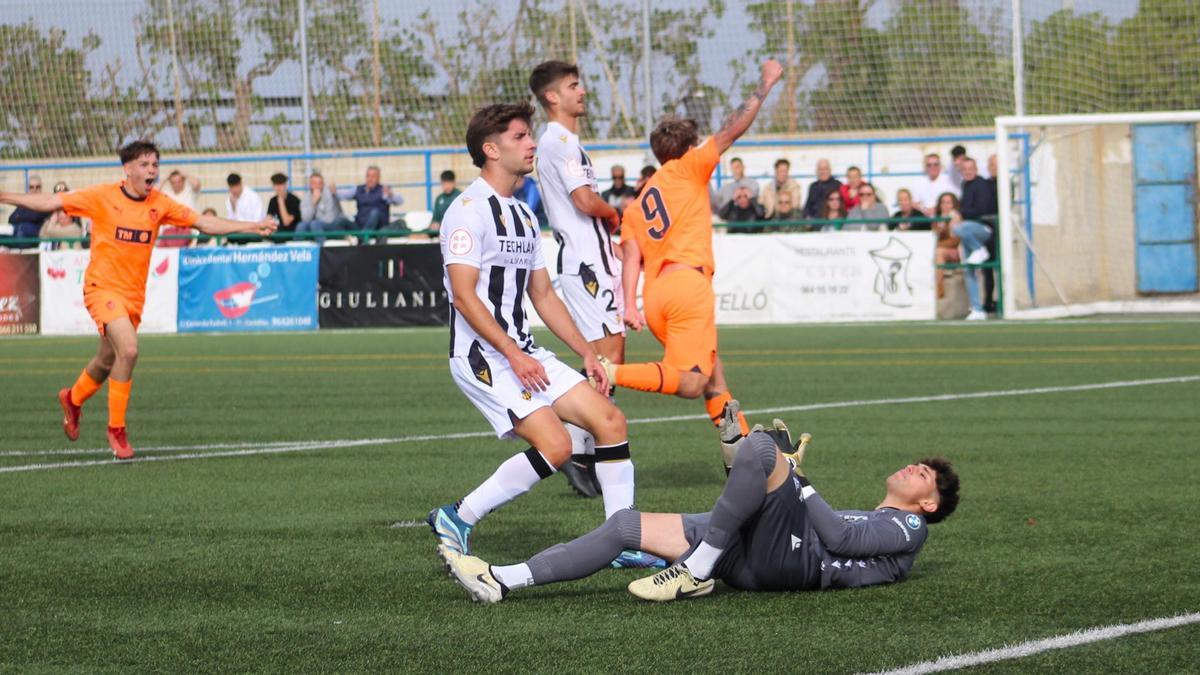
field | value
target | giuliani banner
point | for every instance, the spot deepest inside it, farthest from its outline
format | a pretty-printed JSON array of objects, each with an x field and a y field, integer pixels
[
  {"x": 248, "y": 289},
  {"x": 393, "y": 285},
  {"x": 63, "y": 312},
  {"x": 19, "y": 291}
]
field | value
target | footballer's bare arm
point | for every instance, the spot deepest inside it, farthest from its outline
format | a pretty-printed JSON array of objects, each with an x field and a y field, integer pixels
[{"x": 737, "y": 122}]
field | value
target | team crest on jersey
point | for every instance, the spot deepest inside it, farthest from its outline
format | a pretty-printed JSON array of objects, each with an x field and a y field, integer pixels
[
  {"x": 466, "y": 200},
  {"x": 153, "y": 215},
  {"x": 590, "y": 283},
  {"x": 461, "y": 242},
  {"x": 526, "y": 394},
  {"x": 479, "y": 365},
  {"x": 574, "y": 168}
]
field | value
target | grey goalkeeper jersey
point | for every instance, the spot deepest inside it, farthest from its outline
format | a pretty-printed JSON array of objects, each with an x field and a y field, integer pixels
[{"x": 863, "y": 548}]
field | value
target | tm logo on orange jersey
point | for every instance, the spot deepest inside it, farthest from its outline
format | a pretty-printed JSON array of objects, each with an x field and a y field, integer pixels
[{"x": 133, "y": 236}]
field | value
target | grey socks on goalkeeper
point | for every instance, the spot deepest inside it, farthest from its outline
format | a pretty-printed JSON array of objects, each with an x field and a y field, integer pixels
[
  {"x": 743, "y": 496},
  {"x": 586, "y": 555}
]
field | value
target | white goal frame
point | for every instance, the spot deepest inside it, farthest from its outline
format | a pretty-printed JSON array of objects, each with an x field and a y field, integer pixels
[{"x": 1010, "y": 124}]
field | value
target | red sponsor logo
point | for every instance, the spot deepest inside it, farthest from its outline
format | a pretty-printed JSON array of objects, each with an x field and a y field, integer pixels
[
  {"x": 56, "y": 273},
  {"x": 162, "y": 267},
  {"x": 133, "y": 236},
  {"x": 234, "y": 301}
]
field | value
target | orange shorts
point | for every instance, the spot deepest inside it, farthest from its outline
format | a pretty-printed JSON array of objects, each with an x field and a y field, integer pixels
[
  {"x": 108, "y": 306},
  {"x": 680, "y": 311}
]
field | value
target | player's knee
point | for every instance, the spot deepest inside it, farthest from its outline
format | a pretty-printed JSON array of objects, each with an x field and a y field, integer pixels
[
  {"x": 556, "y": 450},
  {"x": 127, "y": 353},
  {"x": 757, "y": 453},
  {"x": 628, "y": 524},
  {"x": 612, "y": 425}
]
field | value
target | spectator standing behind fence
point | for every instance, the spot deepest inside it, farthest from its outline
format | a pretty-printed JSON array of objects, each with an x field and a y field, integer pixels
[
  {"x": 320, "y": 211},
  {"x": 935, "y": 183},
  {"x": 183, "y": 189},
  {"x": 744, "y": 208},
  {"x": 374, "y": 200},
  {"x": 27, "y": 223},
  {"x": 825, "y": 183},
  {"x": 850, "y": 189},
  {"x": 739, "y": 180},
  {"x": 443, "y": 200},
  {"x": 616, "y": 194},
  {"x": 989, "y": 276},
  {"x": 978, "y": 206},
  {"x": 289, "y": 215},
  {"x": 867, "y": 208},
  {"x": 907, "y": 209},
  {"x": 242, "y": 203},
  {"x": 783, "y": 181}
]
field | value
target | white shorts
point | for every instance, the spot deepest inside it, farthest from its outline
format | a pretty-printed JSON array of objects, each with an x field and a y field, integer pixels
[
  {"x": 489, "y": 382},
  {"x": 595, "y": 302}
]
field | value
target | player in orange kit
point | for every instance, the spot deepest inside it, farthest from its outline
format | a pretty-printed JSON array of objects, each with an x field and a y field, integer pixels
[
  {"x": 668, "y": 232},
  {"x": 125, "y": 221}
]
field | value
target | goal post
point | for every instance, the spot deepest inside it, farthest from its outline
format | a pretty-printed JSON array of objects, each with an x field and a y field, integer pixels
[{"x": 1098, "y": 214}]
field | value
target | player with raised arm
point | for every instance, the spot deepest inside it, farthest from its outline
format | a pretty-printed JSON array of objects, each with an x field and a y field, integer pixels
[
  {"x": 125, "y": 219},
  {"x": 668, "y": 232},
  {"x": 768, "y": 531},
  {"x": 492, "y": 252},
  {"x": 589, "y": 271}
]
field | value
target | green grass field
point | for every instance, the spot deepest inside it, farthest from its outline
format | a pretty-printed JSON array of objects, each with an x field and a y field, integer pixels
[{"x": 1078, "y": 509}]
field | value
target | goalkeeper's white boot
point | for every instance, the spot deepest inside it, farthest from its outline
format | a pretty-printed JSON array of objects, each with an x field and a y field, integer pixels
[
  {"x": 473, "y": 574},
  {"x": 674, "y": 583}
]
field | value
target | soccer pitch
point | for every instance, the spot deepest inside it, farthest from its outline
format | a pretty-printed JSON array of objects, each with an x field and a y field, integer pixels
[{"x": 274, "y": 518}]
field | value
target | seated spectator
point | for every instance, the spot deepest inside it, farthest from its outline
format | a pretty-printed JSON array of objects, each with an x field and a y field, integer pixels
[
  {"x": 289, "y": 216},
  {"x": 374, "y": 201},
  {"x": 182, "y": 188},
  {"x": 978, "y": 207},
  {"x": 868, "y": 208},
  {"x": 947, "y": 243},
  {"x": 27, "y": 224},
  {"x": 320, "y": 211},
  {"x": 739, "y": 180},
  {"x": 442, "y": 201},
  {"x": 785, "y": 208},
  {"x": 907, "y": 209},
  {"x": 62, "y": 226},
  {"x": 619, "y": 190},
  {"x": 242, "y": 204},
  {"x": 833, "y": 209},
  {"x": 743, "y": 209},
  {"x": 783, "y": 181},
  {"x": 646, "y": 174},
  {"x": 825, "y": 183},
  {"x": 935, "y": 184},
  {"x": 528, "y": 192},
  {"x": 850, "y": 189}
]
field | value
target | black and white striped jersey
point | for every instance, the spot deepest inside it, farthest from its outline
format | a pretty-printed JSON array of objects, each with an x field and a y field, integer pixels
[
  {"x": 563, "y": 167},
  {"x": 499, "y": 236}
]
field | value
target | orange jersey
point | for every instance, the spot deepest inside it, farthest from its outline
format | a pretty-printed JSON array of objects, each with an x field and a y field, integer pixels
[
  {"x": 672, "y": 218},
  {"x": 124, "y": 230}
]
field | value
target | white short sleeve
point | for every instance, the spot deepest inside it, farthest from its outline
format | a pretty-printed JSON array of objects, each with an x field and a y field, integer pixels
[
  {"x": 461, "y": 236},
  {"x": 564, "y": 158}
]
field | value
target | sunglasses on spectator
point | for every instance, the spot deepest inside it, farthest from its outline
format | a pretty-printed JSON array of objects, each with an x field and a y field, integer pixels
[
  {"x": 35, "y": 186},
  {"x": 928, "y": 164},
  {"x": 866, "y": 193}
]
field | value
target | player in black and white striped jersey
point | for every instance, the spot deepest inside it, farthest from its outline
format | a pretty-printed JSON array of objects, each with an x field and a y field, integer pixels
[{"x": 492, "y": 252}]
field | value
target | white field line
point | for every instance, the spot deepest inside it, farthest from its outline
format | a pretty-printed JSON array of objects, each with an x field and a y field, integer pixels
[
  {"x": 1024, "y": 649},
  {"x": 279, "y": 447}
]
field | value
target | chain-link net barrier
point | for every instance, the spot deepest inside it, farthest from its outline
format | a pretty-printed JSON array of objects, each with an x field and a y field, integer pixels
[{"x": 83, "y": 76}]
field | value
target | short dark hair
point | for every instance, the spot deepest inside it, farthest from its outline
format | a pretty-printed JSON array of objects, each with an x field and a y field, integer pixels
[
  {"x": 448, "y": 175},
  {"x": 736, "y": 159},
  {"x": 947, "y": 487},
  {"x": 490, "y": 121},
  {"x": 853, "y": 168},
  {"x": 782, "y": 161},
  {"x": 136, "y": 149},
  {"x": 673, "y": 137},
  {"x": 648, "y": 171},
  {"x": 546, "y": 75},
  {"x": 279, "y": 179},
  {"x": 958, "y": 151},
  {"x": 233, "y": 179}
]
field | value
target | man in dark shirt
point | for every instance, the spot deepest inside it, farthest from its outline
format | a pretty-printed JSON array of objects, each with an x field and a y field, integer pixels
[
  {"x": 442, "y": 201},
  {"x": 825, "y": 183},
  {"x": 289, "y": 216},
  {"x": 27, "y": 223},
  {"x": 743, "y": 208},
  {"x": 980, "y": 203},
  {"x": 619, "y": 189},
  {"x": 768, "y": 531}
]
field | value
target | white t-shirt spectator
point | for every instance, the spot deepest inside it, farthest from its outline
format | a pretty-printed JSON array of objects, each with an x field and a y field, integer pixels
[
  {"x": 249, "y": 208},
  {"x": 186, "y": 196},
  {"x": 926, "y": 192}
]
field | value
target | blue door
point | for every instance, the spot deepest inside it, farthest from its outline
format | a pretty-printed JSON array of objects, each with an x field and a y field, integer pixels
[{"x": 1164, "y": 205}]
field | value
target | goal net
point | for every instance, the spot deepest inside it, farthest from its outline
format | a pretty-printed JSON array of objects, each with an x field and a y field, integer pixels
[{"x": 1099, "y": 213}]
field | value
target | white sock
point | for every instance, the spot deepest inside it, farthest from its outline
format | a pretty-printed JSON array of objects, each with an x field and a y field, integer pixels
[
  {"x": 701, "y": 562},
  {"x": 616, "y": 480},
  {"x": 582, "y": 441},
  {"x": 513, "y": 576},
  {"x": 512, "y": 479}
]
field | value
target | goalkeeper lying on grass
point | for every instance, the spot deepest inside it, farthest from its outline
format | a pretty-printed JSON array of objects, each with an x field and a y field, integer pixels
[{"x": 768, "y": 531}]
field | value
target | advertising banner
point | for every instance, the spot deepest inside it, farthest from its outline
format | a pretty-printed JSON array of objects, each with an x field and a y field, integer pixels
[
  {"x": 817, "y": 277},
  {"x": 63, "y": 312},
  {"x": 248, "y": 289},
  {"x": 393, "y": 285},
  {"x": 19, "y": 293}
]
